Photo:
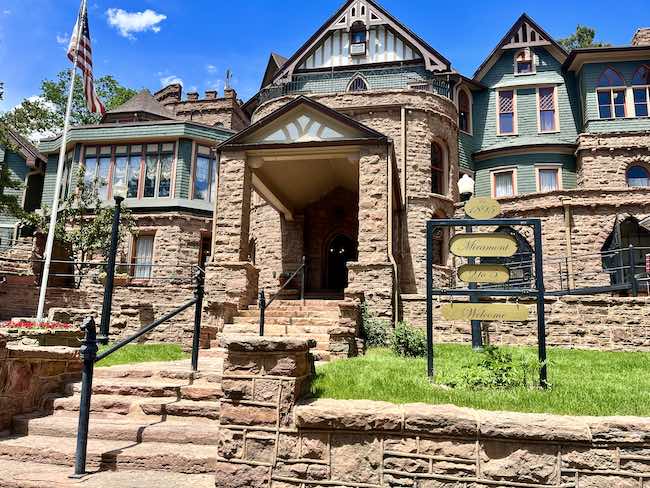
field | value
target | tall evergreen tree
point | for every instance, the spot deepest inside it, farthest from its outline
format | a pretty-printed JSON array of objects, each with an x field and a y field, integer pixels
[{"x": 583, "y": 37}]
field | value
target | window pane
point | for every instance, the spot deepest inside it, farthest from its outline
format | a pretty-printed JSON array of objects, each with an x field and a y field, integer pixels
[
  {"x": 201, "y": 178},
  {"x": 164, "y": 189},
  {"x": 89, "y": 174},
  {"x": 547, "y": 109},
  {"x": 102, "y": 178},
  {"x": 637, "y": 176},
  {"x": 605, "y": 104},
  {"x": 119, "y": 173},
  {"x": 619, "y": 103},
  {"x": 524, "y": 67},
  {"x": 641, "y": 102},
  {"x": 547, "y": 121},
  {"x": 134, "y": 176},
  {"x": 151, "y": 166},
  {"x": 506, "y": 123},
  {"x": 548, "y": 179},
  {"x": 504, "y": 185},
  {"x": 143, "y": 257},
  {"x": 610, "y": 78}
]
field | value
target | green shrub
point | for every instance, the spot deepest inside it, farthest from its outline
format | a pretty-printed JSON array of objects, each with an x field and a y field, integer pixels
[
  {"x": 495, "y": 368},
  {"x": 408, "y": 341},
  {"x": 375, "y": 330}
]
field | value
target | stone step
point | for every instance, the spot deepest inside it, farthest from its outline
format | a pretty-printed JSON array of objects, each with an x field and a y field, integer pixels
[
  {"x": 112, "y": 455},
  {"x": 327, "y": 314},
  {"x": 17, "y": 474},
  {"x": 310, "y": 305},
  {"x": 138, "y": 406},
  {"x": 287, "y": 321},
  {"x": 174, "y": 370},
  {"x": 301, "y": 330},
  {"x": 151, "y": 388},
  {"x": 118, "y": 428}
]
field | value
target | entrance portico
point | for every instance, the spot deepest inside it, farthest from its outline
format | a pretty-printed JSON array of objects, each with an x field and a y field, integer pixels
[{"x": 304, "y": 181}]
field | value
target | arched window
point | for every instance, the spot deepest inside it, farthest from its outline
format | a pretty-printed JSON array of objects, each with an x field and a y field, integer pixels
[
  {"x": 358, "y": 84},
  {"x": 464, "y": 112},
  {"x": 641, "y": 91},
  {"x": 616, "y": 254},
  {"x": 437, "y": 169},
  {"x": 520, "y": 264},
  {"x": 638, "y": 177},
  {"x": 524, "y": 64},
  {"x": 611, "y": 95}
]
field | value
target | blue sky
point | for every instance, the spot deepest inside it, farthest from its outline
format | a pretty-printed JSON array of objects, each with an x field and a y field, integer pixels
[{"x": 142, "y": 42}]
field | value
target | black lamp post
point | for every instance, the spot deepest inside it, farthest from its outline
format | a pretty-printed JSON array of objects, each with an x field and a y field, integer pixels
[{"x": 104, "y": 325}]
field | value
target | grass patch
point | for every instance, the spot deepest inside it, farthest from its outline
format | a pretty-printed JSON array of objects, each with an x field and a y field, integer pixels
[
  {"x": 583, "y": 382},
  {"x": 143, "y": 353}
]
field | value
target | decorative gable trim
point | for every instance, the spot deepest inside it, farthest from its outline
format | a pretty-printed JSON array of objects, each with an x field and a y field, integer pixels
[
  {"x": 338, "y": 27},
  {"x": 524, "y": 33}
]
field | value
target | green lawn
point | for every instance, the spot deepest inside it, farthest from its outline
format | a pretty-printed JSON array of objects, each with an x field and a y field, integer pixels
[
  {"x": 583, "y": 382},
  {"x": 143, "y": 353}
]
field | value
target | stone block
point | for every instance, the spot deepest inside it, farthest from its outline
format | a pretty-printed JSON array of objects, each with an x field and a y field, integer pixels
[
  {"x": 444, "y": 420},
  {"x": 510, "y": 425},
  {"x": 230, "y": 475},
  {"x": 245, "y": 414},
  {"x": 260, "y": 446},
  {"x": 355, "y": 458},
  {"x": 524, "y": 463},
  {"x": 357, "y": 415}
]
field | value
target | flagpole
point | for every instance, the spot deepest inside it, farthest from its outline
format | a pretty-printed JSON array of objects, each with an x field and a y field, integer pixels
[{"x": 59, "y": 171}]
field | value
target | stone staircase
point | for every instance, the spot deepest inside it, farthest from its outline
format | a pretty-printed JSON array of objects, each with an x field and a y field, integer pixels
[
  {"x": 320, "y": 320},
  {"x": 153, "y": 421}
]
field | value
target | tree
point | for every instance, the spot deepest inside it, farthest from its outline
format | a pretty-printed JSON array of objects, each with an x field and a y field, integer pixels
[
  {"x": 45, "y": 113},
  {"x": 583, "y": 37},
  {"x": 9, "y": 204}
]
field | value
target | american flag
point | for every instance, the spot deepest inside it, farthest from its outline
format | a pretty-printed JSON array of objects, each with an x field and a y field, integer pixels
[{"x": 80, "y": 42}]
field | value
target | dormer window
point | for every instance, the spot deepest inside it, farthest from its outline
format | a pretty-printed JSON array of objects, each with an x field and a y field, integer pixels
[{"x": 524, "y": 63}]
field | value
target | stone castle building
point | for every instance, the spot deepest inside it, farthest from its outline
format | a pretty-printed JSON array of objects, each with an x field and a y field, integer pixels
[{"x": 358, "y": 139}]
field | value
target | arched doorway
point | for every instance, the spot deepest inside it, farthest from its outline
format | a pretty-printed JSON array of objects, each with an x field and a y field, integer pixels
[
  {"x": 340, "y": 250},
  {"x": 615, "y": 253}
]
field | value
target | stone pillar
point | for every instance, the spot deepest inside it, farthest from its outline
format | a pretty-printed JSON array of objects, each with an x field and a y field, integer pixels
[
  {"x": 263, "y": 378},
  {"x": 231, "y": 280},
  {"x": 371, "y": 277}
]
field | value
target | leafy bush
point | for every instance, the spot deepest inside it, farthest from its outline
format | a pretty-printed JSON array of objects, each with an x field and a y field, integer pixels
[
  {"x": 495, "y": 368},
  {"x": 375, "y": 330},
  {"x": 408, "y": 341}
]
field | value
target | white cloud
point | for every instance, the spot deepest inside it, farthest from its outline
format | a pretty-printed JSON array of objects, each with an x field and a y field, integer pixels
[
  {"x": 64, "y": 40},
  {"x": 211, "y": 68},
  {"x": 169, "y": 80},
  {"x": 128, "y": 23},
  {"x": 36, "y": 135},
  {"x": 6, "y": 12}
]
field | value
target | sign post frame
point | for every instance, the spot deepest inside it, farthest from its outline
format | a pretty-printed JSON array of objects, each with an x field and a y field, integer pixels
[{"x": 537, "y": 292}]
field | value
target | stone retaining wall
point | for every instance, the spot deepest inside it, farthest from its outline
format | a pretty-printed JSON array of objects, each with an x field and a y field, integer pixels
[
  {"x": 271, "y": 440},
  {"x": 29, "y": 374}
]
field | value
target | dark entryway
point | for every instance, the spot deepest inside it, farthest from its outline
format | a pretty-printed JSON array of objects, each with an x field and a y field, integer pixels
[{"x": 339, "y": 251}]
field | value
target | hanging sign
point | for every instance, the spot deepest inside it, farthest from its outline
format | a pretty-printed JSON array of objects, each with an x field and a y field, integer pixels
[
  {"x": 482, "y": 208},
  {"x": 485, "y": 311},
  {"x": 495, "y": 245},
  {"x": 484, "y": 273}
]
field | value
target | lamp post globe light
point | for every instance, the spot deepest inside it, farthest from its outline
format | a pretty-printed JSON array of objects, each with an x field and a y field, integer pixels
[{"x": 466, "y": 187}]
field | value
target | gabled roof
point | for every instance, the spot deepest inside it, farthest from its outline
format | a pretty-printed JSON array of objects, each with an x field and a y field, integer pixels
[
  {"x": 606, "y": 54},
  {"x": 367, "y": 134},
  {"x": 434, "y": 61},
  {"x": 525, "y": 32},
  {"x": 275, "y": 63},
  {"x": 143, "y": 102},
  {"x": 26, "y": 148}
]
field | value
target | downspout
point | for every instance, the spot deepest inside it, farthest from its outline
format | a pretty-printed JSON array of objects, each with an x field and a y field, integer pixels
[
  {"x": 391, "y": 257},
  {"x": 403, "y": 149},
  {"x": 566, "y": 203}
]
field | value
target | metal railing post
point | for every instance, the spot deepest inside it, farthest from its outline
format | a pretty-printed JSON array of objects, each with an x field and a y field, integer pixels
[
  {"x": 88, "y": 352},
  {"x": 198, "y": 312},
  {"x": 262, "y": 305},
  {"x": 110, "y": 274},
  {"x": 302, "y": 284},
  {"x": 634, "y": 284}
]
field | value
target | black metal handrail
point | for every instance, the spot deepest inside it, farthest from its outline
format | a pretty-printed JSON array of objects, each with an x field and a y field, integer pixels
[{"x": 263, "y": 305}]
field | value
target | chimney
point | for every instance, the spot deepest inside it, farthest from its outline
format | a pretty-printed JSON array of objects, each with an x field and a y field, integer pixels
[
  {"x": 230, "y": 93},
  {"x": 210, "y": 94},
  {"x": 641, "y": 37},
  {"x": 169, "y": 95},
  {"x": 192, "y": 96}
]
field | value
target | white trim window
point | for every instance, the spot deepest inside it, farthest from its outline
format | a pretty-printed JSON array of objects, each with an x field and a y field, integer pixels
[
  {"x": 524, "y": 62},
  {"x": 158, "y": 165},
  {"x": 205, "y": 175},
  {"x": 504, "y": 182},
  {"x": 142, "y": 257},
  {"x": 548, "y": 177},
  {"x": 611, "y": 95},
  {"x": 641, "y": 91},
  {"x": 547, "y": 109},
  {"x": 507, "y": 112},
  {"x": 465, "y": 111}
]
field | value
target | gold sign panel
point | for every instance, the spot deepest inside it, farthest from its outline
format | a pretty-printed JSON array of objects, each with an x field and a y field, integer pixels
[
  {"x": 485, "y": 311},
  {"x": 482, "y": 208},
  {"x": 496, "y": 245},
  {"x": 484, "y": 273}
]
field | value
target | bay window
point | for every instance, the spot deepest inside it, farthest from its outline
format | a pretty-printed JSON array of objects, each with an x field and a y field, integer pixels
[
  {"x": 641, "y": 91},
  {"x": 205, "y": 175},
  {"x": 547, "y": 105},
  {"x": 506, "y": 123},
  {"x": 611, "y": 95},
  {"x": 504, "y": 183}
]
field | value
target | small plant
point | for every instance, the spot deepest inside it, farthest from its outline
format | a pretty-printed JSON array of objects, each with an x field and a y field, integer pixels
[
  {"x": 495, "y": 368},
  {"x": 28, "y": 324},
  {"x": 408, "y": 341},
  {"x": 375, "y": 330}
]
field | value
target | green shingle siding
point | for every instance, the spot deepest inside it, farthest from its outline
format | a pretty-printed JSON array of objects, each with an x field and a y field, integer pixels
[
  {"x": 184, "y": 168},
  {"x": 525, "y": 164},
  {"x": 589, "y": 75},
  {"x": 18, "y": 170}
]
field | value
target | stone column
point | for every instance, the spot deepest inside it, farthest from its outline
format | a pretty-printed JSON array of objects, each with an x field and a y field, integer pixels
[
  {"x": 231, "y": 280},
  {"x": 263, "y": 378},
  {"x": 371, "y": 277}
]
